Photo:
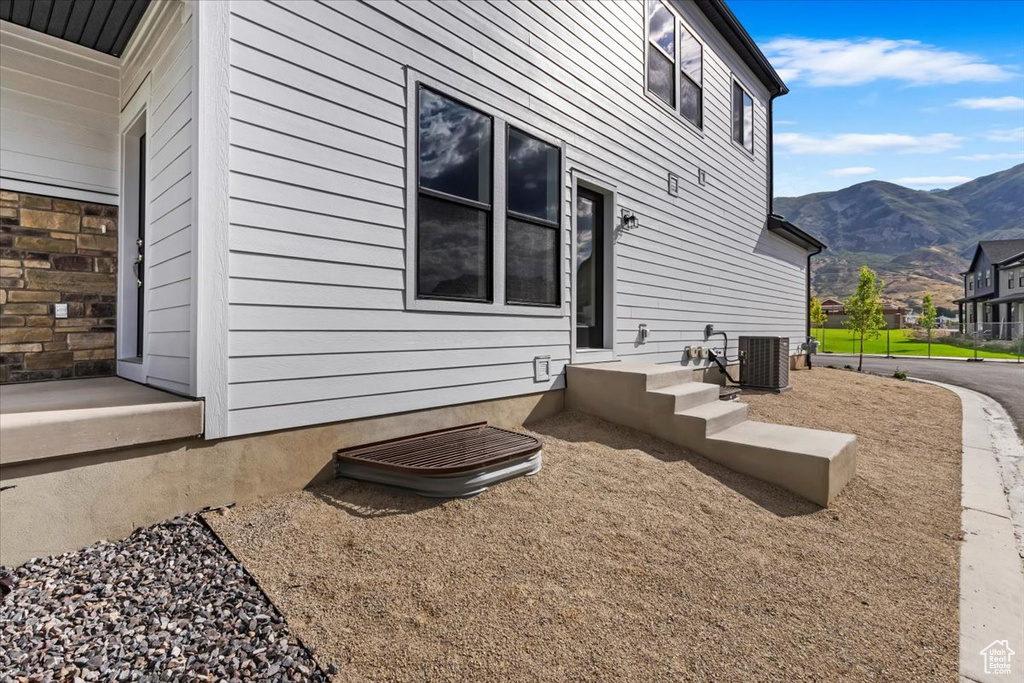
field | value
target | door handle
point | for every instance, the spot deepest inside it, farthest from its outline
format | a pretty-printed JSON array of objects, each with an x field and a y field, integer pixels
[{"x": 135, "y": 269}]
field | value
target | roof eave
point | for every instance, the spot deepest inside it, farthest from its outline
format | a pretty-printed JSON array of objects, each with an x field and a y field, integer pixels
[
  {"x": 726, "y": 23},
  {"x": 1012, "y": 261},
  {"x": 778, "y": 225}
]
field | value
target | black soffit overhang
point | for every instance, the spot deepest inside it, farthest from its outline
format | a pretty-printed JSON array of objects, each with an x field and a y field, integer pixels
[{"x": 103, "y": 25}]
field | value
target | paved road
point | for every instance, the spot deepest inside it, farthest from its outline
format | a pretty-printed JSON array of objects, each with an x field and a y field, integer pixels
[{"x": 1002, "y": 381}]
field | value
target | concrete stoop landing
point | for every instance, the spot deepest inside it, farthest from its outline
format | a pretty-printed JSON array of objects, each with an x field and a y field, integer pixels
[{"x": 665, "y": 401}]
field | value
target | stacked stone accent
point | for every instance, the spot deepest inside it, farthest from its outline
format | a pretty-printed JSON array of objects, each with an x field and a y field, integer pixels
[{"x": 56, "y": 251}]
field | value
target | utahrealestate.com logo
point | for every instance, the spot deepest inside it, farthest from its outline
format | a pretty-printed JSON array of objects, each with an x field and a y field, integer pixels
[{"x": 997, "y": 657}]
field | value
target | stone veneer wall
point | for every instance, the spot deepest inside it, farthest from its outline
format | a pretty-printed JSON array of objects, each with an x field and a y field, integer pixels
[{"x": 56, "y": 251}]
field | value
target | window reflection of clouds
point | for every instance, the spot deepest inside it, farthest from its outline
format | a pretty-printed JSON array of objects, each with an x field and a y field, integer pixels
[
  {"x": 660, "y": 80},
  {"x": 748, "y": 122},
  {"x": 690, "y": 56},
  {"x": 533, "y": 180},
  {"x": 689, "y": 101},
  {"x": 661, "y": 26},
  {"x": 455, "y": 148},
  {"x": 532, "y": 256},
  {"x": 584, "y": 231},
  {"x": 453, "y": 250}
]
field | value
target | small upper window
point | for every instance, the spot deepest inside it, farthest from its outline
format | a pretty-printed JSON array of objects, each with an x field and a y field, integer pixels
[
  {"x": 661, "y": 52},
  {"x": 691, "y": 68},
  {"x": 742, "y": 117},
  {"x": 533, "y": 229},
  {"x": 970, "y": 284},
  {"x": 454, "y": 203},
  {"x": 988, "y": 278}
]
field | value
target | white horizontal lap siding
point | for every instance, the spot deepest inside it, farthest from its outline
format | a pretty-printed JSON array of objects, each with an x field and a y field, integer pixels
[
  {"x": 319, "y": 328},
  {"x": 58, "y": 117},
  {"x": 163, "y": 51}
]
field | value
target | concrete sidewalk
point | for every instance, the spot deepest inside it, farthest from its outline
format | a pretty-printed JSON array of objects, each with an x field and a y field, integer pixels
[{"x": 991, "y": 572}]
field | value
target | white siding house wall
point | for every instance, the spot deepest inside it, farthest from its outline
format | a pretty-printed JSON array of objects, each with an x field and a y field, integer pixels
[
  {"x": 162, "y": 50},
  {"x": 319, "y": 326},
  {"x": 58, "y": 117}
]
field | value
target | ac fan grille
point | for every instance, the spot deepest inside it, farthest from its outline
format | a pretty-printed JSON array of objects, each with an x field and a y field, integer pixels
[{"x": 764, "y": 362}]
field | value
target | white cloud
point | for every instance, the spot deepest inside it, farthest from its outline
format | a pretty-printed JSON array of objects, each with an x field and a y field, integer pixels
[
  {"x": 993, "y": 103},
  {"x": 1006, "y": 135},
  {"x": 991, "y": 157},
  {"x": 824, "y": 62},
  {"x": 934, "y": 181},
  {"x": 851, "y": 170},
  {"x": 867, "y": 143},
  {"x": 783, "y": 122}
]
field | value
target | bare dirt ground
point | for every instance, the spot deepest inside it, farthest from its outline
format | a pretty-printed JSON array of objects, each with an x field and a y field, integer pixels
[{"x": 628, "y": 558}]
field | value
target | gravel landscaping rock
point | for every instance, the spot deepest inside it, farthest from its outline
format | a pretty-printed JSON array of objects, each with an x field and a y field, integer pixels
[
  {"x": 628, "y": 558},
  {"x": 168, "y": 603}
]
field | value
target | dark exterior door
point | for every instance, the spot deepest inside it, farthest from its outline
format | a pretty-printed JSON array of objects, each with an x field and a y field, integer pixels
[
  {"x": 589, "y": 270},
  {"x": 140, "y": 243}
]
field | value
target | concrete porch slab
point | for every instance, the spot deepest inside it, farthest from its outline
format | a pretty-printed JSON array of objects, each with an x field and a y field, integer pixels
[{"x": 67, "y": 417}]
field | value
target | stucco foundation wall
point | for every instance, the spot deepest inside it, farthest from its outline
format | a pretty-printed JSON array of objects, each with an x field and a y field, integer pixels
[
  {"x": 56, "y": 251},
  {"x": 63, "y": 504}
]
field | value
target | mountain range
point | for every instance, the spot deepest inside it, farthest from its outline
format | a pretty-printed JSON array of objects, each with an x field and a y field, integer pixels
[{"x": 918, "y": 241}]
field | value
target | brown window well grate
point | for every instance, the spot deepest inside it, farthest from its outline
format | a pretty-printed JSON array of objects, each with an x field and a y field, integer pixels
[{"x": 443, "y": 452}]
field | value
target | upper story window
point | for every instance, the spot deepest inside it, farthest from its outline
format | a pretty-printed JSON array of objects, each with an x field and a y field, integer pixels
[
  {"x": 675, "y": 63},
  {"x": 661, "y": 52},
  {"x": 988, "y": 278},
  {"x": 970, "y": 284},
  {"x": 454, "y": 200},
  {"x": 691, "y": 68},
  {"x": 533, "y": 229},
  {"x": 742, "y": 117}
]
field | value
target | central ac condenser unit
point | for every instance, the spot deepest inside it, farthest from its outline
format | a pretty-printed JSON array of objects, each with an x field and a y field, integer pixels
[{"x": 764, "y": 362}]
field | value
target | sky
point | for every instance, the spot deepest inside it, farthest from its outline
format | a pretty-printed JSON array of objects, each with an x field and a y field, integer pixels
[{"x": 924, "y": 93}]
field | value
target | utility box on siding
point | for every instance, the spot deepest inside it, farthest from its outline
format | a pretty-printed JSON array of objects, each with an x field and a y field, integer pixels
[{"x": 764, "y": 363}]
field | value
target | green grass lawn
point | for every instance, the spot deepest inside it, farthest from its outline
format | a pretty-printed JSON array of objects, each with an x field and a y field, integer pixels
[{"x": 900, "y": 343}]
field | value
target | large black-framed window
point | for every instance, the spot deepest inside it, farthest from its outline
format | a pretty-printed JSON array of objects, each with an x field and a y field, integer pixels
[
  {"x": 742, "y": 117},
  {"x": 454, "y": 214},
  {"x": 533, "y": 229}
]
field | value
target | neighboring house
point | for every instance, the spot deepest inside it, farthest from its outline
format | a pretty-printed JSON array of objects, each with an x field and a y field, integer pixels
[
  {"x": 831, "y": 306},
  {"x": 911, "y": 317},
  {"x": 308, "y": 213},
  {"x": 894, "y": 316},
  {"x": 993, "y": 301}
]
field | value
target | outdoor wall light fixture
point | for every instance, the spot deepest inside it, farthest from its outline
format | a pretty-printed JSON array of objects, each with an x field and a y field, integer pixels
[{"x": 629, "y": 221}]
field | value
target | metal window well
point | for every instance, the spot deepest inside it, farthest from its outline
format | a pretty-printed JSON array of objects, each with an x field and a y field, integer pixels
[{"x": 447, "y": 463}]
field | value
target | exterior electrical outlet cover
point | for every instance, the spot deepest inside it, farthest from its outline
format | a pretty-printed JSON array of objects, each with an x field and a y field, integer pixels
[{"x": 542, "y": 368}]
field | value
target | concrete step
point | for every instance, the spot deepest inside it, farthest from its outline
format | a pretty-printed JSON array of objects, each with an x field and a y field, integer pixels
[
  {"x": 665, "y": 401},
  {"x": 661, "y": 376},
  {"x": 711, "y": 418},
  {"x": 811, "y": 463},
  {"x": 617, "y": 392},
  {"x": 680, "y": 397}
]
